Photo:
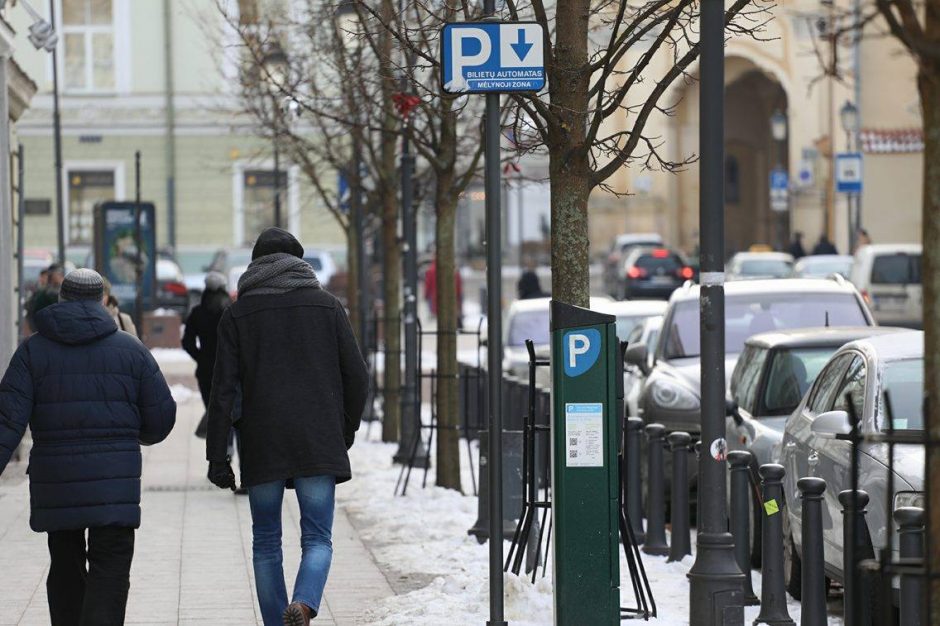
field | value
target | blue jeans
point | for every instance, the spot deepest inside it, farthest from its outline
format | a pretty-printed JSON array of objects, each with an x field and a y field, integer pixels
[{"x": 315, "y": 494}]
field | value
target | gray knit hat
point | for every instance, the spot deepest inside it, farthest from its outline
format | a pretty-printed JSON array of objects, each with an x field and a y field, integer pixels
[
  {"x": 81, "y": 284},
  {"x": 216, "y": 281}
]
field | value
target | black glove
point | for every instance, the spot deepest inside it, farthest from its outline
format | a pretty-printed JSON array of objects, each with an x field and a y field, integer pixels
[{"x": 221, "y": 474}]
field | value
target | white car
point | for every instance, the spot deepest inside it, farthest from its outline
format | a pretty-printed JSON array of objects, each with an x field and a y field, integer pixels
[
  {"x": 646, "y": 333},
  {"x": 888, "y": 276},
  {"x": 323, "y": 264},
  {"x": 753, "y": 265}
]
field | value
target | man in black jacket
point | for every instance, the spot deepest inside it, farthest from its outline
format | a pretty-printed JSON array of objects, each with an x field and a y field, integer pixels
[
  {"x": 289, "y": 346},
  {"x": 91, "y": 396}
]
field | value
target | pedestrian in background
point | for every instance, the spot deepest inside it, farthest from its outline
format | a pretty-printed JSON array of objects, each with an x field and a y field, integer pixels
[
  {"x": 795, "y": 248},
  {"x": 862, "y": 238},
  {"x": 304, "y": 384},
  {"x": 201, "y": 335},
  {"x": 124, "y": 321},
  {"x": 824, "y": 246},
  {"x": 91, "y": 396},
  {"x": 47, "y": 294},
  {"x": 529, "y": 285}
]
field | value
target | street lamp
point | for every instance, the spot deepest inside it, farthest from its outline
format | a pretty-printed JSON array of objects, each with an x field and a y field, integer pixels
[
  {"x": 43, "y": 37},
  {"x": 276, "y": 70},
  {"x": 778, "y": 125},
  {"x": 848, "y": 114}
]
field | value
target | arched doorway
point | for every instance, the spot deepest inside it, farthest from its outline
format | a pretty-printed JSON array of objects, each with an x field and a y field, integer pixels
[{"x": 752, "y": 96}]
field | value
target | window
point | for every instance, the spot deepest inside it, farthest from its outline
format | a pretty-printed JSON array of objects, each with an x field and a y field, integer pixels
[
  {"x": 86, "y": 189},
  {"x": 532, "y": 325},
  {"x": 896, "y": 269},
  {"x": 259, "y": 201},
  {"x": 88, "y": 32},
  {"x": 747, "y": 376},
  {"x": 852, "y": 389},
  {"x": 903, "y": 385},
  {"x": 826, "y": 384},
  {"x": 790, "y": 376}
]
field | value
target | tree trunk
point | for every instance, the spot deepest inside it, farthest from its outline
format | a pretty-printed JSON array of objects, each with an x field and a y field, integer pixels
[
  {"x": 569, "y": 167},
  {"x": 929, "y": 87},
  {"x": 448, "y": 436},
  {"x": 391, "y": 324},
  {"x": 352, "y": 279},
  {"x": 571, "y": 280}
]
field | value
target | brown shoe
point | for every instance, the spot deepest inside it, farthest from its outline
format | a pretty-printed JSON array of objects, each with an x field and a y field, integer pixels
[{"x": 297, "y": 614}]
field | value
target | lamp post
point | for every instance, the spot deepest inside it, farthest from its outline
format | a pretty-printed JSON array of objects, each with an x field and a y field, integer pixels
[
  {"x": 778, "y": 131},
  {"x": 276, "y": 70},
  {"x": 849, "y": 117}
]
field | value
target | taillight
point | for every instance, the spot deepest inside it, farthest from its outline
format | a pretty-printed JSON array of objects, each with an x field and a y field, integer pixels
[
  {"x": 686, "y": 273},
  {"x": 177, "y": 289},
  {"x": 866, "y": 297},
  {"x": 636, "y": 272},
  {"x": 660, "y": 253}
]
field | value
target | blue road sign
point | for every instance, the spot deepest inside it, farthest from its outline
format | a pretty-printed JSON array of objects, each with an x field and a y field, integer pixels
[
  {"x": 849, "y": 172},
  {"x": 779, "y": 179},
  {"x": 492, "y": 57},
  {"x": 581, "y": 349}
]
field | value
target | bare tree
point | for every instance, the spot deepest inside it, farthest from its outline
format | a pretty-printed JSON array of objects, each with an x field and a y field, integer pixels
[{"x": 608, "y": 64}]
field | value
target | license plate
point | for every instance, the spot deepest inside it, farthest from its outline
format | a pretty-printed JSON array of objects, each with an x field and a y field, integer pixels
[{"x": 661, "y": 280}]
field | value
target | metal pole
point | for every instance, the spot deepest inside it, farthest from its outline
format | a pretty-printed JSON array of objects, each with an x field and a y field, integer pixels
[
  {"x": 494, "y": 352},
  {"x": 519, "y": 216},
  {"x": 857, "y": 75},
  {"x": 717, "y": 584},
  {"x": 813, "y": 575},
  {"x": 740, "y": 461},
  {"x": 655, "y": 541},
  {"x": 57, "y": 140},
  {"x": 170, "y": 137},
  {"x": 277, "y": 177},
  {"x": 139, "y": 245},
  {"x": 410, "y": 432},
  {"x": 20, "y": 239},
  {"x": 359, "y": 223}
]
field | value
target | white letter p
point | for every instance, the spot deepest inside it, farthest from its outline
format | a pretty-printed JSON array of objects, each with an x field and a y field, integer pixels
[{"x": 577, "y": 344}]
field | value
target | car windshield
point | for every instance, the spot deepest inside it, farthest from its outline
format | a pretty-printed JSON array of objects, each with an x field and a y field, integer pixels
[
  {"x": 529, "y": 325},
  {"x": 791, "y": 374},
  {"x": 747, "y": 315},
  {"x": 902, "y": 383},
  {"x": 194, "y": 261},
  {"x": 821, "y": 269},
  {"x": 654, "y": 264},
  {"x": 764, "y": 267},
  {"x": 626, "y": 324}
]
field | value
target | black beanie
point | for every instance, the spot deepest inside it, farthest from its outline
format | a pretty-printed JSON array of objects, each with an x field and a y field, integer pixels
[{"x": 273, "y": 240}]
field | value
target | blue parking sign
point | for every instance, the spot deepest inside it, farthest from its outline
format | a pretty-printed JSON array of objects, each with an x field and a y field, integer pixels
[{"x": 492, "y": 57}]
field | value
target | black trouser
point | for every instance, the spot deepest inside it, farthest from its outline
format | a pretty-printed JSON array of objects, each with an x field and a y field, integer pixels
[{"x": 96, "y": 596}]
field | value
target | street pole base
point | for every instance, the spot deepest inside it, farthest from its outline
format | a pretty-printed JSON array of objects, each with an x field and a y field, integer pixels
[
  {"x": 420, "y": 461},
  {"x": 716, "y": 586},
  {"x": 751, "y": 600},
  {"x": 499, "y": 623},
  {"x": 654, "y": 550}
]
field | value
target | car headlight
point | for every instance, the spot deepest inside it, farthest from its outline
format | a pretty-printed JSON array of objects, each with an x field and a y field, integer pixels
[
  {"x": 669, "y": 395},
  {"x": 909, "y": 498}
]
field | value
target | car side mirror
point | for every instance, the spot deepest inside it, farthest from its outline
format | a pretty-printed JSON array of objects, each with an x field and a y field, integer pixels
[
  {"x": 731, "y": 410},
  {"x": 637, "y": 355},
  {"x": 831, "y": 424}
]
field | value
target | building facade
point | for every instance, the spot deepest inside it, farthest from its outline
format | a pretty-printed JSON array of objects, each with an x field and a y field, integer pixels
[{"x": 160, "y": 77}]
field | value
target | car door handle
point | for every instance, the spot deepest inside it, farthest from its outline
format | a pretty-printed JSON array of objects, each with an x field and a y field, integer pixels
[
  {"x": 813, "y": 458},
  {"x": 789, "y": 445}
]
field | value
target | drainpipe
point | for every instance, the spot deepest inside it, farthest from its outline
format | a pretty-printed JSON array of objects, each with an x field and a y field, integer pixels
[
  {"x": 857, "y": 71},
  {"x": 7, "y": 338},
  {"x": 170, "y": 137}
]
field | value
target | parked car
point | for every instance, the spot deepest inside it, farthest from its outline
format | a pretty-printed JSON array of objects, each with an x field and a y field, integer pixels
[
  {"x": 171, "y": 290},
  {"x": 671, "y": 395},
  {"x": 864, "y": 373},
  {"x": 529, "y": 319},
  {"x": 619, "y": 248},
  {"x": 227, "y": 258},
  {"x": 653, "y": 273},
  {"x": 771, "y": 376},
  {"x": 323, "y": 264},
  {"x": 753, "y": 265},
  {"x": 647, "y": 333},
  {"x": 822, "y": 265},
  {"x": 888, "y": 276},
  {"x": 195, "y": 264},
  {"x": 630, "y": 313}
]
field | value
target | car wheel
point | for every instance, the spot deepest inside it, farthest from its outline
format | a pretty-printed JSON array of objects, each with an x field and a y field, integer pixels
[{"x": 792, "y": 567}]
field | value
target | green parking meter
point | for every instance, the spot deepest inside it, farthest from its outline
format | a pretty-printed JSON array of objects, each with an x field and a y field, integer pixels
[{"x": 584, "y": 466}]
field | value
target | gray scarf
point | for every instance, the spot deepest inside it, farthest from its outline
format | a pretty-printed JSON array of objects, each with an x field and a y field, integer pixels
[{"x": 276, "y": 273}]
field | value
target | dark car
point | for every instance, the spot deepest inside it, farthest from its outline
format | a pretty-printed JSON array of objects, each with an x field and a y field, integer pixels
[
  {"x": 619, "y": 249},
  {"x": 653, "y": 273}
]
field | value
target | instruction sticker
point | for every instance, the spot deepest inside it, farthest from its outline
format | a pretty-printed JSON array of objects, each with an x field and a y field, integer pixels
[
  {"x": 771, "y": 507},
  {"x": 584, "y": 434}
]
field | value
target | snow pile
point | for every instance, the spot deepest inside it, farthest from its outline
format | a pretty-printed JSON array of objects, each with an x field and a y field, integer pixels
[
  {"x": 181, "y": 393},
  {"x": 421, "y": 542},
  {"x": 166, "y": 356}
]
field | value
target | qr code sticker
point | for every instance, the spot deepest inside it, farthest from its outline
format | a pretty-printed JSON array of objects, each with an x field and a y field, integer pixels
[
  {"x": 572, "y": 454},
  {"x": 572, "y": 441}
]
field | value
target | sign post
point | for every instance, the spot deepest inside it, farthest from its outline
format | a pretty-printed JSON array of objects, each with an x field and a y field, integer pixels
[
  {"x": 492, "y": 58},
  {"x": 585, "y": 481},
  {"x": 849, "y": 182},
  {"x": 779, "y": 189}
]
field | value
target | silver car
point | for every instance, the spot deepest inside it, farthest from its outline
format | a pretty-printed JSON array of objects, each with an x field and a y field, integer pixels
[{"x": 864, "y": 373}]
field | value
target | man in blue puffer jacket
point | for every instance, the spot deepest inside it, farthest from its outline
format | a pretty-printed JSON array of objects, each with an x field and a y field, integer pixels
[{"x": 91, "y": 396}]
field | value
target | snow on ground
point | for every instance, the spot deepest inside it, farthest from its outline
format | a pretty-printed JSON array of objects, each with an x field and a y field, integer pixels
[
  {"x": 425, "y": 535},
  {"x": 181, "y": 393},
  {"x": 166, "y": 356}
]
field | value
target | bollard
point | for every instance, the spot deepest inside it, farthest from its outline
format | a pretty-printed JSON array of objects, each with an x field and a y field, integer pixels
[
  {"x": 854, "y": 588},
  {"x": 655, "y": 542},
  {"x": 813, "y": 575},
  {"x": 740, "y": 461},
  {"x": 910, "y": 521},
  {"x": 681, "y": 541},
  {"x": 633, "y": 488},
  {"x": 773, "y": 596}
]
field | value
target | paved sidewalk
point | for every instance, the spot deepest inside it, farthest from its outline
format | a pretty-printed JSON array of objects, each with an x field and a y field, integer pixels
[{"x": 192, "y": 561}]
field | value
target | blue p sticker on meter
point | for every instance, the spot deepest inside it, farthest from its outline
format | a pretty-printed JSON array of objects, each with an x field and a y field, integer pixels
[{"x": 581, "y": 349}]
